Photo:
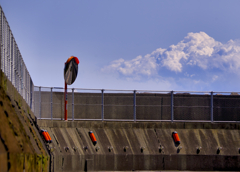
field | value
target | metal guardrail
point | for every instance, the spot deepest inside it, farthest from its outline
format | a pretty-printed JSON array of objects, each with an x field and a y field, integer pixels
[
  {"x": 137, "y": 105},
  {"x": 12, "y": 63}
]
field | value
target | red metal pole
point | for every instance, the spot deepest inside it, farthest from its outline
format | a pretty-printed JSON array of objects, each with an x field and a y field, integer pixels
[{"x": 65, "y": 102}]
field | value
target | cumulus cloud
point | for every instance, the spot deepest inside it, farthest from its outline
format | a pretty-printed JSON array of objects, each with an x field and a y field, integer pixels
[
  {"x": 196, "y": 51},
  {"x": 138, "y": 66},
  {"x": 199, "y": 49}
]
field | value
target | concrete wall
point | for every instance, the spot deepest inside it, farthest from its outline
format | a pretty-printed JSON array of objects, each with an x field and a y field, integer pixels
[
  {"x": 148, "y": 106},
  {"x": 148, "y": 136},
  {"x": 21, "y": 146}
]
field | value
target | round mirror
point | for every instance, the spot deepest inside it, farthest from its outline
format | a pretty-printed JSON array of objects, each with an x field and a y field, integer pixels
[{"x": 71, "y": 70}]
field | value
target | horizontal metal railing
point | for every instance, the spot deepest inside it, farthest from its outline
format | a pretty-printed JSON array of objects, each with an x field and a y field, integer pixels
[{"x": 137, "y": 105}]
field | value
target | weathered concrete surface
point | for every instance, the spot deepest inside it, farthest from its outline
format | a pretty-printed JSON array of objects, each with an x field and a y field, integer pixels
[
  {"x": 21, "y": 147},
  {"x": 70, "y": 139},
  {"x": 148, "y": 106}
]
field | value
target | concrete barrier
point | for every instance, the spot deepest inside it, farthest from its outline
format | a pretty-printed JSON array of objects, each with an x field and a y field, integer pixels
[{"x": 126, "y": 146}]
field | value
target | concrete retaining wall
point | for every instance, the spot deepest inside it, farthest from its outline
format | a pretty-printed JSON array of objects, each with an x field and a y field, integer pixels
[
  {"x": 142, "y": 141},
  {"x": 21, "y": 147}
]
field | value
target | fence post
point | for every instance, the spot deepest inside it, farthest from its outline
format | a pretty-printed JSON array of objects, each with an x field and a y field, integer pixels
[
  {"x": 40, "y": 104},
  {"x": 211, "y": 106},
  {"x": 172, "y": 113},
  {"x": 73, "y": 104},
  {"x": 102, "y": 105},
  {"x": 134, "y": 105},
  {"x": 51, "y": 104}
]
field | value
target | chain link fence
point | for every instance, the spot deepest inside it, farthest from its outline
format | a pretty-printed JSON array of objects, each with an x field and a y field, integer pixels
[
  {"x": 226, "y": 106},
  {"x": 153, "y": 105},
  {"x": 12, "y": 63},
  {"x": 136, "y": 105},
  {"x": 192, "y": 106}
]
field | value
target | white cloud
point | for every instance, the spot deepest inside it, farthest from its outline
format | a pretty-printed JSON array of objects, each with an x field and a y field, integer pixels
[
  {"x": 196, "y": 49},
  {"x": 198, "y": 57},
  {"x": 138, "y": 66},
  {"x": 188, "y": 75},
  {"x": 215, "y": 77}
]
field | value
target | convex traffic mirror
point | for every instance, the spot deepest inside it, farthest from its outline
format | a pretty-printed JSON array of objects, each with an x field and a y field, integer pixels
[{"x": 71, "y": 70}]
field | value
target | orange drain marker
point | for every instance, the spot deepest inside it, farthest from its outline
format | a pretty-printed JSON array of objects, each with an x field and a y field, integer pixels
[
  {"x": 46, "y": 136},
  {"x": 176, "y": 137},
  {"x": 49, "y": 138},
  {"x": 93, "y": 138}
]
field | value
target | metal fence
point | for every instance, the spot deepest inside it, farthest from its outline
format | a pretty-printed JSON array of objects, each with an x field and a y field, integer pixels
[
  {"x": 137, "y": 105},
  {"x": 12, "y": 63}
]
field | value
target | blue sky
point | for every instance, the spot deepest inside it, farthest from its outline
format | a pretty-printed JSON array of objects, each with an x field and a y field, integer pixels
[{"x": 152, "y": 45}]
